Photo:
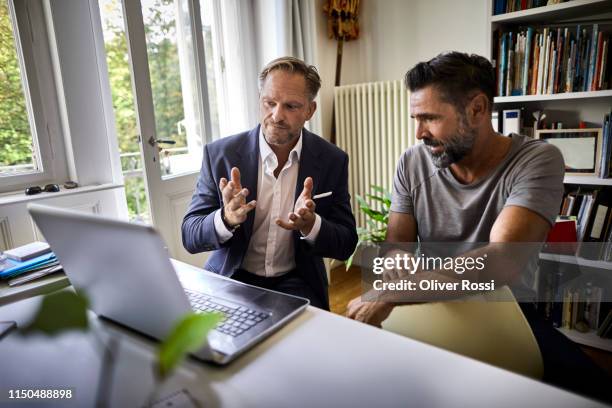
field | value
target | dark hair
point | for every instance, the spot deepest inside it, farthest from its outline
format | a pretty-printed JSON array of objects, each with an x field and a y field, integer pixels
[
  {"x": 456, "y": 75},
  {"x": 295, "y": 66}
]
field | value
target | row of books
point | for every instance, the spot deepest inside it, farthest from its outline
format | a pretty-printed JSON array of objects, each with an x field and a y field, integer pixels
[
  {"x": 509, "y": 6},
  {"x": 538, "y": 60},
  {"x": 581, "y": 309},
  {"x": 592, "y": 212},
  {"x": 574, "y": 308}
]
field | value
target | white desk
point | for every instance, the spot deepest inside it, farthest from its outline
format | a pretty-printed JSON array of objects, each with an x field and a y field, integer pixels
[{"x": 318, "y": 360}]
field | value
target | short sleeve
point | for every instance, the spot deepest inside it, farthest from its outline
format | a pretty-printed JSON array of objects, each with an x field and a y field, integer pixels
[
  {"x": 539, "y": 183},
  {"x": 401, "y": 199}
]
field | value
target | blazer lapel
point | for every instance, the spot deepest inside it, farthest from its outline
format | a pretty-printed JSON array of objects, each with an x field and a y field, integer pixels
[
  {"x": 248, "y": 163},
  {"x": 309, "y": 167},
  {"x": 309, "y": 164}
]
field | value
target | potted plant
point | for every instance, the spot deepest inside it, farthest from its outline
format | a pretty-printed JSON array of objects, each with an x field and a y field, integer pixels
[{"x": 377, "y": 219}]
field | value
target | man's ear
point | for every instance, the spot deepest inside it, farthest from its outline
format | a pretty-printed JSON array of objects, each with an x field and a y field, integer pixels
[
  {"x": 478, "y": 109},
  {"x": 312, "y": 107}
]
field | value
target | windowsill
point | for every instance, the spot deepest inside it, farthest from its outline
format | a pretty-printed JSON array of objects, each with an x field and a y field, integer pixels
[{"x": 19, "y": 196}]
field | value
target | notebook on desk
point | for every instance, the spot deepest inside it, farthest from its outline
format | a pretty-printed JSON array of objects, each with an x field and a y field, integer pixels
[{"x": 125, "y": 271}]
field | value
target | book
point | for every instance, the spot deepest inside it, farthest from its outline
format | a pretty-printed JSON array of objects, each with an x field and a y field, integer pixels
[
  {"x": 16, "y": 268},
  {"x": 511, "y": 122},
  {"x": 28, "y": 251}
]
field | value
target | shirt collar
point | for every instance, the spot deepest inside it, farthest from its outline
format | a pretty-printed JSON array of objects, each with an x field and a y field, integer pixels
[{"x": 266, "y": 153}]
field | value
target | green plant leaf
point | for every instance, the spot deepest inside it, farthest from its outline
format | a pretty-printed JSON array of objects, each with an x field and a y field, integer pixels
[
  {"x": 375, "y": 215},
  {"x": 382, "y": 190},
  {"x": 349, "y": 262},
  {"x": 59, "y": 311},
  {"x": 362, "y": 203},
  {"x": 188, "y": 335},
  {"x": 386, "y": 202}
]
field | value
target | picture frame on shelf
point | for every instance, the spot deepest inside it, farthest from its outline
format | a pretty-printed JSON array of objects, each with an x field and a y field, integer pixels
[{"x": 581, "y": 148}]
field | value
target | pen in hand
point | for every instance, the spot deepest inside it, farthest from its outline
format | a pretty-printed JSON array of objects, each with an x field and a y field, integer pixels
[{"x": 322, "y": 195}]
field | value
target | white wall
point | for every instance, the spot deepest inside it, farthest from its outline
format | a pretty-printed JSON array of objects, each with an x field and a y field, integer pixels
[{"x": 395, "y": 35}]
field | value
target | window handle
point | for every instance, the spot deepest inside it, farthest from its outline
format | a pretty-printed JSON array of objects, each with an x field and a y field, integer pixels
[{"x": 153, "y": 141}]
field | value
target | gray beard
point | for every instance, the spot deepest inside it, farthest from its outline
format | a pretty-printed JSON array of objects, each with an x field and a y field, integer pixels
[{"x": 455, "y": 149}]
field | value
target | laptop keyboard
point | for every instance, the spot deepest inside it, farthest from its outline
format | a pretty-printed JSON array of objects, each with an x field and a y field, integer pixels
[{"x": 236, "y": 319}]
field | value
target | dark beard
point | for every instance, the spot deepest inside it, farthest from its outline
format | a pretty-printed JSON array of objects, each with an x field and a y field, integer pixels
[{"x": 455, "y": 149}]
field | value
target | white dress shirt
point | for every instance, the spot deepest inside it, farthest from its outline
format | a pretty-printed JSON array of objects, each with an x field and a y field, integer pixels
[{"x": 271, "y": 249}]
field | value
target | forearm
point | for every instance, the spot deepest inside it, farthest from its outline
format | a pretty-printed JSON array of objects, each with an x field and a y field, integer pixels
[
  {"x": 198, "y": 233},
  {"x": 502, "y": 264}
]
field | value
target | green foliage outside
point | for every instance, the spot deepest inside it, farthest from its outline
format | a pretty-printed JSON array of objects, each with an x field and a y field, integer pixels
[
  {"x": 15, "y": 138},
  {"x": 160, "y": 30}
]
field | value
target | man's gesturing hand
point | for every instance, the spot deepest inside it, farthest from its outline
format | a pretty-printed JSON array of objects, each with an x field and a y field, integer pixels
[
  {"x": 235, "y": 207},
  {"x": 303, "y": 217}
]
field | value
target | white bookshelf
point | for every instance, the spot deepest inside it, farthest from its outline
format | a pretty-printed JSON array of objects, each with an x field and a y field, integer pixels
[
  {"x": 587, "y": 180},
  {"x": 570, "y": 9},
  {"x": 554, "y": 97},
  {"x": 590, "y": 339},
  {"x": 569, "y": 108},
  {"x": 576, "y": 260}
]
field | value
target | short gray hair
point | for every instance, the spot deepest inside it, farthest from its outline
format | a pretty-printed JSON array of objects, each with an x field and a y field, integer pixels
[{"x": 295, "y": 66}]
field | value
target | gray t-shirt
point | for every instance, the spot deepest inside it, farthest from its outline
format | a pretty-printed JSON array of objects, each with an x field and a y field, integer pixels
[{"x": 530, "y": 176}]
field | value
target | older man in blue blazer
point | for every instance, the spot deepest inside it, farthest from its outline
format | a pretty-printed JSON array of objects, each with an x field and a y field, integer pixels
[{"x": 296, "y": 183}]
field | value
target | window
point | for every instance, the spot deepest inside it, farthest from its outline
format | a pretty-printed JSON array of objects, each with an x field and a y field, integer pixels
[
  {"x": 31, "y": 146},
  {"x": 115, "y": 44},
  {"x": 19, "y": 154}
]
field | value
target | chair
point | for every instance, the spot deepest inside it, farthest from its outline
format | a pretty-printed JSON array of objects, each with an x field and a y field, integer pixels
[{"x": 488, "y": 327}]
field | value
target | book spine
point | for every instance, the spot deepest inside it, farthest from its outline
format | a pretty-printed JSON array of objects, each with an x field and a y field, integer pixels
[
  {"x": 509, "y": 64},
  {"x": 564, "y": 60},
  {"x": 558, "y": 61},
  {"x": 596, "y": 74},
  {"x": 546, "y": 65},
  {"x": 503, "y": 64},
  {"x": 536, "y": 58},
  {"x": 527, "y": 64},
  {"x": 604, "y": 67},
  {"x": 570, "y": 69},
  {"x": 592, "y": 57},
  {"x": 541, "y": 62}
]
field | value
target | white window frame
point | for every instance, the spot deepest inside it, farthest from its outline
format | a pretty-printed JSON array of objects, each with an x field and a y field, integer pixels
[{"x": 34, "y": 52}]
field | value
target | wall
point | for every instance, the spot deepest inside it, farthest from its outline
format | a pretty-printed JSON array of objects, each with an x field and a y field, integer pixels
[{"x": 396, "y": 34}]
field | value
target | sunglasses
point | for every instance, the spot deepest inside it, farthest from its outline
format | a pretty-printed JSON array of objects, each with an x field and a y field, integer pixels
[{"x": 49, "y": 188}]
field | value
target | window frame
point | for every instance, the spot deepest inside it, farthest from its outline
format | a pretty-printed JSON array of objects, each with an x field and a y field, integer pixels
[{"x": 34, "y": 53}]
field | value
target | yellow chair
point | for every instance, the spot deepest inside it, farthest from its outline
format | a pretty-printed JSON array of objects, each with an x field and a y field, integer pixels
[{"x": 488, "y": 327}]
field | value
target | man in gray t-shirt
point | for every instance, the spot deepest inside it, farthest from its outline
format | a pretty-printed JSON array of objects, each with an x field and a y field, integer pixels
[
  {"x": 447, "y": 210},
  {"x": 466, "y": 182}
]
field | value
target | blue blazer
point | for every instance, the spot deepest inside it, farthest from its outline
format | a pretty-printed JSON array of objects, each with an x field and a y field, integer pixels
[{"x": 324, "y": 162}]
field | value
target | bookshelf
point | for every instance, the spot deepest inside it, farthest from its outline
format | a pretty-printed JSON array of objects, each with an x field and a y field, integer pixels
[
  {"x": 586, "y": 102},
  {"x": 553, "y": 97},
  {"x": 555, "y": 12},
  {"x": 576, "y": 260},
  {"x": 588, "y": 339},
  {"x": 587, "y": 180}
]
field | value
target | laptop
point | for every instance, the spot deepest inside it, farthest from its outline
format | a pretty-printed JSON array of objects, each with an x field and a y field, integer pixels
[{"x": 125, "y": 271}]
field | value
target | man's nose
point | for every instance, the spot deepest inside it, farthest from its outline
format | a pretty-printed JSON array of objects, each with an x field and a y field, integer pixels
[
  {"x": 421, "y": 131},
  {"x": 277, "y": 114}
]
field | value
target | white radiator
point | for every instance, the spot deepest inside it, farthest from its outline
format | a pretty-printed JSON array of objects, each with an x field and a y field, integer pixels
[{"x": 374, "y": 127}]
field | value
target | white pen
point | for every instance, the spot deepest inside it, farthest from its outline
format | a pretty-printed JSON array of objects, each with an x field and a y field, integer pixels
[{"x": 322, "y": 195}]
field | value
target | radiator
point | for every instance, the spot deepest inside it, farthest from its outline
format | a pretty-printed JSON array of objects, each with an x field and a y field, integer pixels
[{"x": 374, "y": 127}]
